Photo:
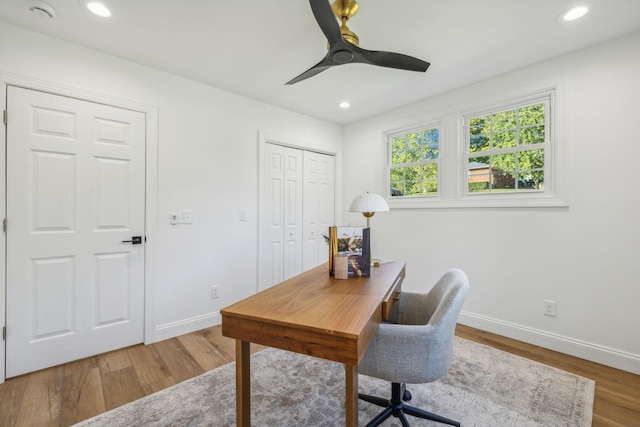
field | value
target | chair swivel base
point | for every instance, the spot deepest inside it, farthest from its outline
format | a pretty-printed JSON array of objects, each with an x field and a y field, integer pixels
[{"x": 398, "y": 408}]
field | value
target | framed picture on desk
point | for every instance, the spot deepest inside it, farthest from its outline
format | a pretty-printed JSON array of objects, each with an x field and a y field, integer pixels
[{"x": 355, "y": 243}]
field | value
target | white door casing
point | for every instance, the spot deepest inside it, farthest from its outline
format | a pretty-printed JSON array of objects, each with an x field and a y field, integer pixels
[{"x": 75, "y": 192}]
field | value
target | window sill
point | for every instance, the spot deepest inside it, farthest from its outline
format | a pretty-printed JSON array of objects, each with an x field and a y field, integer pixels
[{"x": 480, "y": 201}]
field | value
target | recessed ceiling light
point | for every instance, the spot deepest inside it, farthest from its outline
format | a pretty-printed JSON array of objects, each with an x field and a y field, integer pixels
[
  {"x": 344, "y": 104},
  {"x": 99, "y": 9},
  {"x": 574, "y": 13}
]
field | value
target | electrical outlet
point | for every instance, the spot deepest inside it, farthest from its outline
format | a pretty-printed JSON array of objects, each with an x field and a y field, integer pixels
[
  {"x": 214, "y": 292},
  {"x": 173, "y": 218},
  {"x": 549, "y": 308}
]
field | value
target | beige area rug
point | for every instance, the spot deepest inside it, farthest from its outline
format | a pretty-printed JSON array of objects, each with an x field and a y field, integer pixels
[{"x": 484, "y": 388}]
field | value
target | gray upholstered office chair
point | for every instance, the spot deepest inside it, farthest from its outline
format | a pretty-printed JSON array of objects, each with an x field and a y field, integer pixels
[{"x": 416, "y": 347}]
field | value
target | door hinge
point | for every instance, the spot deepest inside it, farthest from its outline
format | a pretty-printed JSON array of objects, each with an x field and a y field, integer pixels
[
  {"x": 4, "y": 117},
  {"x": 4, "y": 333},
  {"x": 4, "y": 225}
]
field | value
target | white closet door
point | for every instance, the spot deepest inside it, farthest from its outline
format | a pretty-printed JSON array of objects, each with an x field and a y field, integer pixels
[
  {"x": 318, "y": 212},
  {"x": 281, "y": 215},
  {"x": 292, "y": 209}
]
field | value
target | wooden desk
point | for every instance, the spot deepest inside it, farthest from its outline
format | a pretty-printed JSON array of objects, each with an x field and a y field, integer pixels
[{"x": 312, "y": 314}]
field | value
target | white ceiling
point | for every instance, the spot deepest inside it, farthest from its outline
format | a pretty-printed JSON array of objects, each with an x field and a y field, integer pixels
[{"x": 253, "y": 47}]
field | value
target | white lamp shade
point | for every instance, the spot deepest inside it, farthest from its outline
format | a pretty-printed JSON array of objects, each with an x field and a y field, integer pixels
[{"x": 369, "y": 202}]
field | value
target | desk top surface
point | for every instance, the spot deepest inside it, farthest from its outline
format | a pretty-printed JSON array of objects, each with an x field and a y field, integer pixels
[{"x": 315, "y": 300}]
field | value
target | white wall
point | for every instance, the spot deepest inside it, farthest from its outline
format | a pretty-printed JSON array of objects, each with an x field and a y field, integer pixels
[
  {"x": 207, "y": 163},
  {"x": 585, "y": 257}
]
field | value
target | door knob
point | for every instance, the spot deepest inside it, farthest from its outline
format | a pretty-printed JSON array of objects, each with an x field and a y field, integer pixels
[{"x": 135, "y": 240}]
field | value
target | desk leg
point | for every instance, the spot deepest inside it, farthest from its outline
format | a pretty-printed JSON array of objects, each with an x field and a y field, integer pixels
[
  {"x": 243, "y": 384},
  {"x": 351, "y": 392}
]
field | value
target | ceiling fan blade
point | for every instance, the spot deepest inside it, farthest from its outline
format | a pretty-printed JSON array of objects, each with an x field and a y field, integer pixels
[
  {"x": 390, "y": 60},
  {"x": 326, "y": 20},
  {"x": 316, "y": 69}
]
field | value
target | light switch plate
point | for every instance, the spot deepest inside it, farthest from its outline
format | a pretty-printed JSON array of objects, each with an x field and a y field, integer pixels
[{"x": 185, "y": 217}]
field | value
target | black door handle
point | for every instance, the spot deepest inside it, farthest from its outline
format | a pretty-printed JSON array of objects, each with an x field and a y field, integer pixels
[{"x": 135, "y": 240}]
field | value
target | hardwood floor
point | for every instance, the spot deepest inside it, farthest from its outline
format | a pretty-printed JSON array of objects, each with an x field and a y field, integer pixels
[{"x": 66, "y": 394}]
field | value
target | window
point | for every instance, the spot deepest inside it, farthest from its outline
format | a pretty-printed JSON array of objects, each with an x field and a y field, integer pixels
[
  {"x": 506, "y": 150},
  {"x": 508, "y": 153},
  {"x": 413, "y": 165}
]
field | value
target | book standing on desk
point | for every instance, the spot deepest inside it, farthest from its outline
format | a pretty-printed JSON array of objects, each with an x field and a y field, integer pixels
[{"x": 355, "y": 243}]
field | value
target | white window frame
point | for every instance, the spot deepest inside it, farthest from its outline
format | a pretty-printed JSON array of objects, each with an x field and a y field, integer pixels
[
  {"x": 546, "y": 197},
  {"x": 389, "y": 158},
  {"x": 453, "y": 156}
]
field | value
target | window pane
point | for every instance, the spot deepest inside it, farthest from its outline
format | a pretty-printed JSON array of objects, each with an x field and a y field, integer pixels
[
  {"x": 531, "y": 170},
  {"x": 429, "y": 143},
  {"x": 479, "y": 173},
  {"x": 397, "y": 175},
  {"x": 412, "y": 188},
  {"x": 397, "y": 189},
  {"x": 502, "y": 181},
  {"x": 531, "y": 159},
  {"x": 430, "y": 171},
  {"x": 479, "y": 143},
  {"x": 479, "y": 187},
  {"x": 505, "y": 139},
  {"x": 430, "y": 179},
  {"x": 430, "y": 187},
  {"x": 503, "y": 162},
  {"x": 412, "y": 173},
  {"x": 414, "y": 169},
  {"x": 478, "y": 125},
  {"x": 504, "y": 121},
  {"x": 397, "y": 149},
  {"x": 532, "y": 135},
  {"x": 531, "y": 115},
  {"x": 416, "y": 146}
]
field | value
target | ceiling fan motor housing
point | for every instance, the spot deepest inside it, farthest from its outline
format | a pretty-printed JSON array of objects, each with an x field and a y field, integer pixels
[{"x": 344, "y": 10}]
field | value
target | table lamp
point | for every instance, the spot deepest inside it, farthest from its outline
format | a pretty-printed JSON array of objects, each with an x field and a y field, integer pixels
[{"x": 368, "y": 204}]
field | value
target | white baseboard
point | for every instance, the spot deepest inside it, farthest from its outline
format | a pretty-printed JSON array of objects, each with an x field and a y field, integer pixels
[
  {"x": 173, "y": 329},
  {"x": 596, "y": 353}
]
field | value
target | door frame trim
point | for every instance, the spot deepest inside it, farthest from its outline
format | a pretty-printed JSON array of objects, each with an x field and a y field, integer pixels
[{"x": 151, "y": 190}]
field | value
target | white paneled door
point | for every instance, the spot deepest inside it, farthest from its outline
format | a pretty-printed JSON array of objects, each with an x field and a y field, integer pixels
[
  {"x": 75, "y": 210},
  {"x": 297, "y": 206},
  {"x": 281, "y": 225},
  {"x": 318, "y": 211}
]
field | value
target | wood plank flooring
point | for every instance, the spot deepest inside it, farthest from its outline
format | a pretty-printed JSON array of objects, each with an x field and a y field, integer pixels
[{"x": 66, "y": 394}]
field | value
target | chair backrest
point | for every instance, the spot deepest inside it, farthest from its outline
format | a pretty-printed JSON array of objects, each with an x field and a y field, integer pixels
[
  {"x": 443, "y": 305},
  {"x": 445, "y": 299},
  {"x": 418, "y": 347}
]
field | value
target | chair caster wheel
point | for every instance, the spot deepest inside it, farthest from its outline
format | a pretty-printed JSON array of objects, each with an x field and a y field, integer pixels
[{"x": 406, "y": 396}]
